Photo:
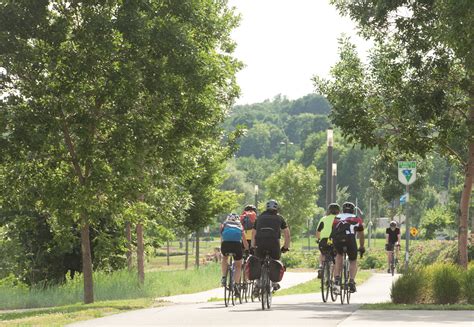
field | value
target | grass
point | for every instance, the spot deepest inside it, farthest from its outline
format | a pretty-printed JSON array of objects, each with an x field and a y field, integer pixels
[
  {"x": 62, "y": 315},
  {"x": 393, "y": 306},
  {"x": 119, "y": 285},
  {"x": 314, "y": 285}
]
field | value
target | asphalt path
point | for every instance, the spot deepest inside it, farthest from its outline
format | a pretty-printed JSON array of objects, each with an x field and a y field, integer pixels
[{"x": 291, "y": 310}]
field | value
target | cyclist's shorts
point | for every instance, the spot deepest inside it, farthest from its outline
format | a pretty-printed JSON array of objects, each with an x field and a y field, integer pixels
[
  {"x": 249, "y": 242},
  {"x": 351, "y": 244},
  {"x": 232, "y": 247},
  {"x": 324, "y": 247},
  {"x": 270, "y": 246},
  {"x": 389, "y": 246}
]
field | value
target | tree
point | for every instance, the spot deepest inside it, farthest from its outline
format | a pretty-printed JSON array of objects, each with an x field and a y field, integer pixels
[
  {"x": 103, "y": 98},
  {"x": 435, "y": 220},
  {"x": 295, "y": 188},
  {"x": 416, "y": 95}
]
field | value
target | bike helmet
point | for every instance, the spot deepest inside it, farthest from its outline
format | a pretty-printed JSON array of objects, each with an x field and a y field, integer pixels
[
  {"x": 233, "y": 217},
  {"x": 348, "y": 207},
  {"x": 393, "y": 223},
  {"x": 249, "y": 207},
  {"x": 272, "y": 205},
  {"x": 334, "y": 208}
]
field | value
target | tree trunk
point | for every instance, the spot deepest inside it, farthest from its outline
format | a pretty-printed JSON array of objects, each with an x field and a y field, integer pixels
[
  {"x": 464, "y": 209},
  {"x": 140, "y": 254},
  {"x": 86, "y": 262},
  {"x": 128, "y": 234},
  {"x": 186, "y": 256},
  {"x": 466, "y": 193},
  {"x": 197, "y": 249}
]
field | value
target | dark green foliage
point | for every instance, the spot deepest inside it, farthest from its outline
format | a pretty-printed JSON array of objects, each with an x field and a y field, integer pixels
[
  {"x": 446, "y": 283},
  {"x": 409, "y": 287},
  {"x": 373, "y": 259},
  {"x": 468, "y": 284}
]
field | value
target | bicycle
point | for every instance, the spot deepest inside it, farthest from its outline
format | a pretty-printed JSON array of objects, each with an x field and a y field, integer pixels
[
  {"x": 229, "y": 294},
  {"x": 394, "y": 261},
  {"x": 327, "y": 277},
  {"x": 246, "y": 286}
]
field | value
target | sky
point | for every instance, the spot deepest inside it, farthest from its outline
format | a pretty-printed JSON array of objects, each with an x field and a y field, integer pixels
[{"x": 284, "y": 43}]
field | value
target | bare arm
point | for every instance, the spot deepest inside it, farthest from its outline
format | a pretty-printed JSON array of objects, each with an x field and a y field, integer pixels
[
  {"x": 361, "y": 238},
  {"x": 318, "y": 235},
  {"x": 286, "y": 235},
  {"x": 386, "y": 238},
  {"x": 254, "y": 232}
]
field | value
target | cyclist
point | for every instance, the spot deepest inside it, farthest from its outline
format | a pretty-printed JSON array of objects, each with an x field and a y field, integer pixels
[
  {"x": 267, "y": 232},
  {"x": 247, "y": 219},
  {"x": 392, "y": 239},
  {"x": 345, "y": 228},
  {"x": 323, "y": 231},
  {"x": 232, "y": 238}
]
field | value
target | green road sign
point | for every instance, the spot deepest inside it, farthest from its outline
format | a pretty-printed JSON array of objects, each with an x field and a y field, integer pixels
[{"x": 407, "y": 172}]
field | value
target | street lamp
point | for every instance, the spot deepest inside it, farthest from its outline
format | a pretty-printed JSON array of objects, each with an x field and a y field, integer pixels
[
  {"x": 286, "y": 148},
  {"x": 334, "y": 182},
  {"x": 256, "y": 196},
  {"x": 330, "y": 144}
]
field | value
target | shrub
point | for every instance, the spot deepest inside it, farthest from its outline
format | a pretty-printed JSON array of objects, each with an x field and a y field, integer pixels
[
  {"x": 373, "y": 259},
  {"x": 292, "y": 259},
  {"x": 407, "y": 289},
  {"x": 446, "y": 283},
  {"x": 468, "y": 284}
]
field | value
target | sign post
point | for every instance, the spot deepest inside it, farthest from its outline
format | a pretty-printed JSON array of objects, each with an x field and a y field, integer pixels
[{"x": 407, "y": 176}]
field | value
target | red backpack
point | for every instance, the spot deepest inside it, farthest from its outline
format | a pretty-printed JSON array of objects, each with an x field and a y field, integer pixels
[{"x": 247, "y": 219}]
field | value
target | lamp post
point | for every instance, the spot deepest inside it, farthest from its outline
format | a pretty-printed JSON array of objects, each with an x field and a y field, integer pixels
[
  {"x": 256, "y": 196},
  {"x": 286, "y": 148},
  {"x": 334, "y": 183},
  {"x": 330, "y": 143}
]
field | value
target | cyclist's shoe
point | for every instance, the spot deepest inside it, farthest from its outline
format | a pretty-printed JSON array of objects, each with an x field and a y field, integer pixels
[
  {"x": 223, "y": 280},
  {"x": 275, "y": 286},
  {"x": 352, "y": 286},
  {"x": 337, "y": 281},
  {"x": 389, "y": 271},
  {"x": 256, "y": 291},
  {"x": 320, "y": 273}
]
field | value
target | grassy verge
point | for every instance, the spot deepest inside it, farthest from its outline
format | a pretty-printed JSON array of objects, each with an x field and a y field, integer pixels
[
  {"x": 393, "y": 306},
  {"x": 62, "y": 315},
  {"x": 119, "y": 285},
  {"x": 314, "y": 285}
]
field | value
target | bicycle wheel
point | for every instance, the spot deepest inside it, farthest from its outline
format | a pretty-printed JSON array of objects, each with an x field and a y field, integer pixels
[
  {"x": 346, "y": 282},
  {"x": 325, "y": 281},
  {"x": 252, "y": 287},
  {"x": 331, "y": 283},
  {"x": 227, "y": 289},
  {"x": 392, "y": 264},
  {"x": 263, "y": 288}
]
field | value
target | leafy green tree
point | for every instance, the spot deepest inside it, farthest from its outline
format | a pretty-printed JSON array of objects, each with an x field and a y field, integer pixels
[
  {"x": 102, "y": 98},
  {"x": 261, "y": 141},
  {"x": 436, "y": 220},
  {"x": 295, "y": 188},
  {"x": 417, "y": 92}
]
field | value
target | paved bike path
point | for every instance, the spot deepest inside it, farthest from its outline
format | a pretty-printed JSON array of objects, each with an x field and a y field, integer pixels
[{"x": 291, "y": 310}]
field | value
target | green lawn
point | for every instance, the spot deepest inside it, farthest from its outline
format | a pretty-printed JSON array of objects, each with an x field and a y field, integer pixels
[
  {"x": 62, "y": 315},
  {"x": 119, "y": 285}
]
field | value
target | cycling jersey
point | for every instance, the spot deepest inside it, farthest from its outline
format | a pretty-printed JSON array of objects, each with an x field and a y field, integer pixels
[{"x": 325, "y": 226}]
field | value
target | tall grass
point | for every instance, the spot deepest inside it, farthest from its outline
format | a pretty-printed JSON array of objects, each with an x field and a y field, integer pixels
[{"x": 118, "y": 285}]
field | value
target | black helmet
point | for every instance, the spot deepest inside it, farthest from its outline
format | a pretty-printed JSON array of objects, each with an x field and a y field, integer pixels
[
  {"x": 334, "y": 208},
  {"x": 348, "y": 207},
  {"x": 250, "y": 207},
  {"x": 272, "y": 205}
]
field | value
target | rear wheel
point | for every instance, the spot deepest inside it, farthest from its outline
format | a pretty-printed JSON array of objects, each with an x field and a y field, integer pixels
[
  {"x": 346, "y": 282},
  {"x": 228, "y": 289},
  {"x": 325, "y": 281},
  {"x": 331, "y": 283},
  {"x": 264, "y": 288}
]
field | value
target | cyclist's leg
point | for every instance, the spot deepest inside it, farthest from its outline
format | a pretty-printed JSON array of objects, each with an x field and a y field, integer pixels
[
  {"x": 224, "y": 262},
  {"x": 338, "y": 264},
  {"x": 352, "y": 255},
  {"x": 238, "y": 261}
]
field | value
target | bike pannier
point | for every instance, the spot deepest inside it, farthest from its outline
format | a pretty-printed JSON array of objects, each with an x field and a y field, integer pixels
[
  {"x": 253, "y": 269},
  {"x": 277, "y": 269}
]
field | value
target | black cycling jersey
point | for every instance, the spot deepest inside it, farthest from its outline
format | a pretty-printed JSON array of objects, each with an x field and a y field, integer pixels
[{"x": 392, "y": 235}]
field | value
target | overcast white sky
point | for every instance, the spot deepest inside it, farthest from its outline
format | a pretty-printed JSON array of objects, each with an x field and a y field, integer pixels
[{"x": 283, "y": 43}]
